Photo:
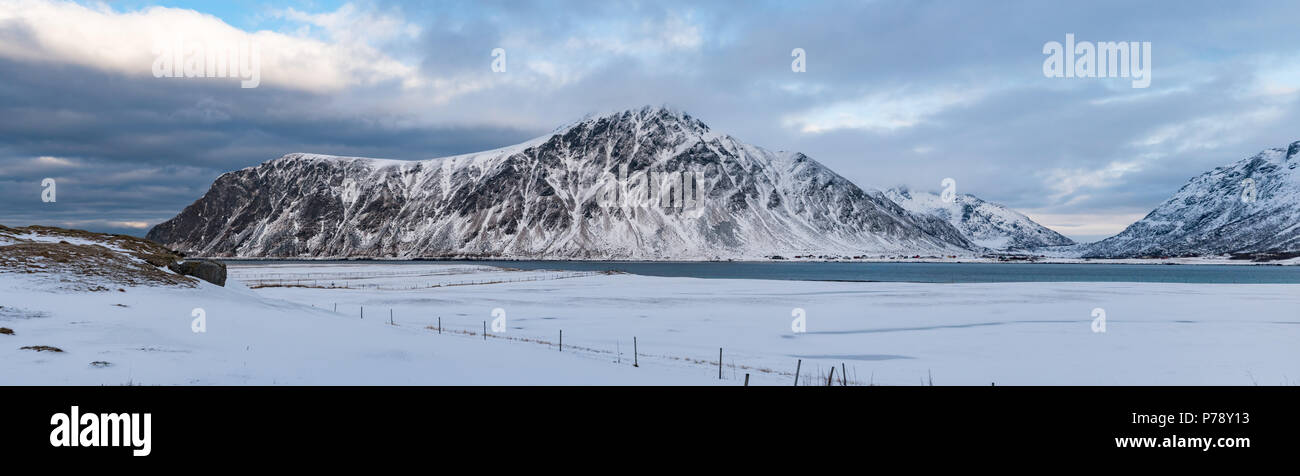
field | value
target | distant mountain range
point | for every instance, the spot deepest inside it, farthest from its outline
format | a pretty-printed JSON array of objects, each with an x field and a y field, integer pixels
[
  {"x": 658, "y": 184},
  {"x": 987, "y": 224}
]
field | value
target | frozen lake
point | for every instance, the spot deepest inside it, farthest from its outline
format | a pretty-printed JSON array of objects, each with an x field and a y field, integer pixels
[{"x": 893, "y": 333}]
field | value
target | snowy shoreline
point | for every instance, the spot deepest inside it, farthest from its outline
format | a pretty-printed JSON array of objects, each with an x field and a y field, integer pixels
[{"x": 1099, "y": 261}]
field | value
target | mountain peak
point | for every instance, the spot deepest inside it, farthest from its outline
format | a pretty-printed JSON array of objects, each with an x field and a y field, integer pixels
[{"x": 645, "y": 115}]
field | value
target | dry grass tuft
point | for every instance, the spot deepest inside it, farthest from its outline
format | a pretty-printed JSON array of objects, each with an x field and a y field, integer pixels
[{"x": 41, "y": 348}]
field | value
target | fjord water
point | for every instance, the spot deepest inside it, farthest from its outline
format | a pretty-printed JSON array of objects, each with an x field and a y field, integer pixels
[
  {"x": 916, "y": 272},
  {"x": 936, "y": 272}
]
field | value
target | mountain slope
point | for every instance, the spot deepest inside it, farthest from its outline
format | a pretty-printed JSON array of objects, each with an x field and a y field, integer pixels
[
  {"x": 557, "y": 196},
  {"x": 1213, "y": 213},
  {"x": 986, "y": 224}
]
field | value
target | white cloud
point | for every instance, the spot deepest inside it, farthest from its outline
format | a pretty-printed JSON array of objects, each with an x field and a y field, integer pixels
[
  {"x": 1209, "y": 132},
  {"x": 350, "y": 24},
  {"x": 87, "y": 224},
  {"x": 125, "y": 43},
  {"x": 650, "y": 39},
  {"x": 48, "y": 161},
  {"x": 1066, "y": 182},
  {"x": 881, "y": 112}
]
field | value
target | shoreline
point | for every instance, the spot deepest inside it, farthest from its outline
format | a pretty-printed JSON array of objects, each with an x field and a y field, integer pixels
[{"x": 1199, "y": 261}]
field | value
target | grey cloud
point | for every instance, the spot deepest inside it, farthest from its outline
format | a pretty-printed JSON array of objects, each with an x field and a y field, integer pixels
[{"x": 1004, "y": 146}]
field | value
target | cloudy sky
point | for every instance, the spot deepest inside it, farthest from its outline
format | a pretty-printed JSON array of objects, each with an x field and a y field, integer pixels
[{"x": 894, "y": 92}]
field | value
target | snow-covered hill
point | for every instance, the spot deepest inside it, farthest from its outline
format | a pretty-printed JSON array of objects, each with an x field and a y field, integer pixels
[
  {"x": 557, "y": 196},
  {"x": 1251, "y": 206},
  {"x": 986, "y": 224}
]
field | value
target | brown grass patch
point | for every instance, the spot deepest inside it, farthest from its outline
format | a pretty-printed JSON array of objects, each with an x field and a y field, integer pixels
[
  {"x": 41, "y": 348},
  {"x": 89, "y": 265}
]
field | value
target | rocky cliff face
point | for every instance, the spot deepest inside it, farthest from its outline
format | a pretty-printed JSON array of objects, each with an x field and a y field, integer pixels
[{"x": 642, "y": 184}]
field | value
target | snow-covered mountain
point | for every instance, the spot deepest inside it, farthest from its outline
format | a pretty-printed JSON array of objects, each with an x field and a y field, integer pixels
[
  {"x": 557, "y": 196},
  {"x": 1251, "y": 206},
  {"x": 986, "y": 224}
]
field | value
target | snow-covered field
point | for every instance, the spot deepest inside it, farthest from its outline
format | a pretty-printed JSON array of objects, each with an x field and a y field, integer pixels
[{"x": 286, "y": 330}]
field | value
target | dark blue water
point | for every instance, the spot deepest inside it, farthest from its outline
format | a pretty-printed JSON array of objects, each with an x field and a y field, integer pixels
[
  {"x": 937, "y": 272},
  {"x": 926, "y": 272}
]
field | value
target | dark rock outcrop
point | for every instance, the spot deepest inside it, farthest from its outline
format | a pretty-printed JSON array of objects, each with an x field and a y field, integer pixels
[{"x": 208, "y": 270}]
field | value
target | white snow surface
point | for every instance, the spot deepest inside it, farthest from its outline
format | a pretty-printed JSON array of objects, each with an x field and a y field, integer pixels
[{"x": 883, "y": 333}]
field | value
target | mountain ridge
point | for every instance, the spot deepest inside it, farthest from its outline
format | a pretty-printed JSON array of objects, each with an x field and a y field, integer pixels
[
  {"x": 985, "y": 223},
  {"x": 560, "y": 196},
  {"x": 1249, "y": 206}
]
